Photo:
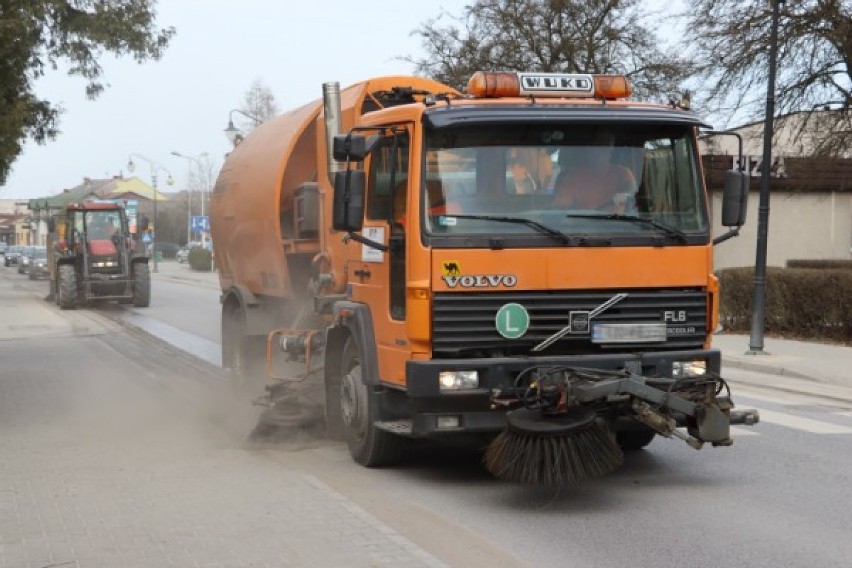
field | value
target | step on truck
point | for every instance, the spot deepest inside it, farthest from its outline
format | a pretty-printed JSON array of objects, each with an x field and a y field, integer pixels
[
  {"x": 92, "y": 255},
  {"x": 436, "y": 262}
]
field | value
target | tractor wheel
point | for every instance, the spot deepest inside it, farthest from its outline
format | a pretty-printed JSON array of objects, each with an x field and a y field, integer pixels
[
  {"x": 141, "y": 285},
  {"x": 67, "y": 287},
  {"x": 368, "y": 445},
  {"x": 634, "y": 440}
]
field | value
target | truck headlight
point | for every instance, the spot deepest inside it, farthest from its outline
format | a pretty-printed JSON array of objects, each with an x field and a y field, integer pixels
[
  {"x": 458, "y": 380},
  {"x": 683, "y": 369}
]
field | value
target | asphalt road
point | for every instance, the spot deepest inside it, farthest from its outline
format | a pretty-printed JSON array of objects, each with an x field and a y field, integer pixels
[{"x": 138, "y": 443}]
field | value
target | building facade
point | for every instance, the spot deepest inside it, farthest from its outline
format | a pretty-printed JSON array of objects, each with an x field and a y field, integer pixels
[{"x": 810, "y": 215}]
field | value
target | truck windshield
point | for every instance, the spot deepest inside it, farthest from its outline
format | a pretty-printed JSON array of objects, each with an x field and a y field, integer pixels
[{"x": 577, "y": 180}]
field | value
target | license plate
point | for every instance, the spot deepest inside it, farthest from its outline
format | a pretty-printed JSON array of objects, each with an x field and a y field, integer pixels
[{"x": 628, "y": 332}]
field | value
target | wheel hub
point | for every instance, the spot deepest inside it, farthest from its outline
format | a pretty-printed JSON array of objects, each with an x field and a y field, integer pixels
[{"x": 349, "y": 405}]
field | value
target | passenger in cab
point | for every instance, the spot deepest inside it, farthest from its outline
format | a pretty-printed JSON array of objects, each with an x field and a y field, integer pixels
[{"x": 529, "y": 169}]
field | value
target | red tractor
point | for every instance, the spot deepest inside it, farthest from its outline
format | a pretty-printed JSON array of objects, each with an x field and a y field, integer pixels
[{"x": 95, "y": 257}]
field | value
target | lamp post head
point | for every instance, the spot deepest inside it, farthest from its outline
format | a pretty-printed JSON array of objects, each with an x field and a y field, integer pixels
[
  {"x": 130, "y": 165},
  {"x": 233, "y": 133}
]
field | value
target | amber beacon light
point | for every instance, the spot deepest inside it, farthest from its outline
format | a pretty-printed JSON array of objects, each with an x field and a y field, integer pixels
[{"x": 555, "y": 85}]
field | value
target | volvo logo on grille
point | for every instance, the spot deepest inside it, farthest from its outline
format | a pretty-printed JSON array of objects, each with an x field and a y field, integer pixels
[
  {"x": 579, "y": 322},
  {"x": 576, "y": 322}
]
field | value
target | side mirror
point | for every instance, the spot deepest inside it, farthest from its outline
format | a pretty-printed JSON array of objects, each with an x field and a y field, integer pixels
[
  {"x": 348, "y": 205},
  {"x": 735, "y": 199},
  {"x": 142, "y": 224},
  {"x": 350, "y": 146}
]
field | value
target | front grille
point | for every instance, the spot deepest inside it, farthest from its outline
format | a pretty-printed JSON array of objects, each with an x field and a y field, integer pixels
[{"x": 464, "y": 323}]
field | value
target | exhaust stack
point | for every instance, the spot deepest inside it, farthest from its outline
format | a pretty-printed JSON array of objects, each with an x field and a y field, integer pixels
[{"x": 331, "y": 107}]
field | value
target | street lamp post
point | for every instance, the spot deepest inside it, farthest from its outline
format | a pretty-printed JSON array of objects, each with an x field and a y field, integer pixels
[
  {"x": 204, "y": 185},
  {"x": 233, "y": 133},
  {"x": 154, "y": 168},
  {"x": 758, "y": 316}
]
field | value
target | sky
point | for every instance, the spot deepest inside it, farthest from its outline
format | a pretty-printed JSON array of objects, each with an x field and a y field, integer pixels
[{"x": 182, "y": 102}]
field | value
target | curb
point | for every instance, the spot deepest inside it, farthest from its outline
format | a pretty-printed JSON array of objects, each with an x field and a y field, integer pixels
[
  {"x": 188, "y": 279},
  {"x": 768, "y": 368},
  {"x": 212, "y": 371}
]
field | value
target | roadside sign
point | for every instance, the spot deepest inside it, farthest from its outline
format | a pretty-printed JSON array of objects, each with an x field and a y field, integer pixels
[
  {"x": 130, "y": 207},
  {"x": 146, "y": 237},
  {"x": 200, "y": 224}
]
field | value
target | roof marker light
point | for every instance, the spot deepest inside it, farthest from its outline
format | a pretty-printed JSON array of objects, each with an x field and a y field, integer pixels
[{"x": 561, "y": 85}]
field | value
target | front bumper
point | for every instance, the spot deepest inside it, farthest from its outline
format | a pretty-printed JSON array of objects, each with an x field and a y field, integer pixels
[
  {"x": 38, "y": 271},
  {"x": 108, "y": 287},
  {"x": 426, "y": 403}
]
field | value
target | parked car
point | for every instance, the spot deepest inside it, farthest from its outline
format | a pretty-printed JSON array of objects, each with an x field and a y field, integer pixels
[
  {"x": 24, "y": 259},
  {"x": 11, "y": 256},
  {"x": 167, "y": 250},
  {"x": 38, "y": 264},
  {"x": 183, "y": 254},
  {"x": 3, "y": 247}
]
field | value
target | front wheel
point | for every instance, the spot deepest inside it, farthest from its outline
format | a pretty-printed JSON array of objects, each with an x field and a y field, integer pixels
[
  {"x": 67, "y": 287},
  {"x": 141, "y": 285},
  {"x": 368, "y": 445}
]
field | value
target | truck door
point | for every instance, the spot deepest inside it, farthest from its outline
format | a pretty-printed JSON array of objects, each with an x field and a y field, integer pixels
[{"x": 379, "y": 278}]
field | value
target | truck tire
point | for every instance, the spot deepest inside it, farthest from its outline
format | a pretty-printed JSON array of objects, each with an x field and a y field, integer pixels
[
  {"x": 31, "y": 275},
  {"x": 368, "y": 445},
  {"x": 634, "y": 440},
  {"x": 67, "y": 287},
  {"x": 141, "y": 285},
  {"x": 244, "y": 355}
]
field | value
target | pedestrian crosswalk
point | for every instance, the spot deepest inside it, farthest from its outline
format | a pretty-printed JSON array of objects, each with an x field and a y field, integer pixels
[
  {"x": 802, "y": 423},
  {"x": 813, "y": 415}
]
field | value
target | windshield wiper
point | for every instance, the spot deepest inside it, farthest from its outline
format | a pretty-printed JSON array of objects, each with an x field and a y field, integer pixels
[
  {"x": 668, "y": 230},
  {"x": 544, "y": 229}
]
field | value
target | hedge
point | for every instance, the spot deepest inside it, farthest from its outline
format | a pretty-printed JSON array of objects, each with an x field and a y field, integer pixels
[
  {"x": 200, "y": 259},
  {"x": 820, "y": 263},
  {"x": 804, "y": 303}
]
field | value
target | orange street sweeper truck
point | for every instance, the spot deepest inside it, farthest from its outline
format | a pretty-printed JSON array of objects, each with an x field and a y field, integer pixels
[{"x": 528, "y": 264}]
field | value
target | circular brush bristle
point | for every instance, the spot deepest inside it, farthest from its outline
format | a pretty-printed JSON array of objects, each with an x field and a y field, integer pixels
[{"x": 552, "y": 450}]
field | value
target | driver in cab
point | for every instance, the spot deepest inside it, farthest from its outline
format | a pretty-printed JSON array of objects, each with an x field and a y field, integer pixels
[
  {"x": 589, "y": 178},
  {"x": 104, "y": 229}
]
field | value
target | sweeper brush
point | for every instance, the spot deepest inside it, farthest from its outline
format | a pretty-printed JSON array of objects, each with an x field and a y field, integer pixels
[
  {"x": 561, "y": 421},
  {"x": 563, "y": 449}
]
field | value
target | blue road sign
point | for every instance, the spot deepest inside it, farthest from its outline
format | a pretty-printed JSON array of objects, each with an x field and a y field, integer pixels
[
  {"x": 146, "y": 237},
  {"x": 200, "y": 224}
]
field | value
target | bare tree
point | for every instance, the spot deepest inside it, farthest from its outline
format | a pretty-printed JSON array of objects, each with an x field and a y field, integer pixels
[
  {"x": 730, "y": 39},
  {"x": 258, "y": 103},
  {"x": 595, "y": 36}
]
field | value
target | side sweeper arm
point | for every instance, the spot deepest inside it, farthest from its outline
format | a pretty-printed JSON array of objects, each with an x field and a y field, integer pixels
[{"x": 660, "y": 403}]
